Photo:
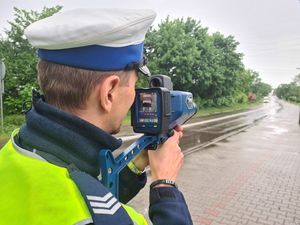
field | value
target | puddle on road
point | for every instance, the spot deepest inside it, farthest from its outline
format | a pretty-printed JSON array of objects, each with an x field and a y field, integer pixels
[
  {"x": 204, "y": 133},
  {"x": 191, "y": 139},
  {"x": 277, "y": 130}
]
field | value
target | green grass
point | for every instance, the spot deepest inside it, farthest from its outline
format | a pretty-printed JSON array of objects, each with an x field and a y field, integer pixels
[
  {"x": 127, "y": 120},
  {"x": 235, "y": 107},
  {"x": 11, "y": 123},
  {"x": 295, "y": 103},
  {"x": 292, "y": 102}
]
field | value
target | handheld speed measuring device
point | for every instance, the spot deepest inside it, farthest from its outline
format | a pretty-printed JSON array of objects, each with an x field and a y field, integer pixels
[{"x": 155, "y": 112}]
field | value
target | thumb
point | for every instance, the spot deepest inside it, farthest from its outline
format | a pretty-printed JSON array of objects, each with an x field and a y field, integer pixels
[{"x": 177, "y": 135}]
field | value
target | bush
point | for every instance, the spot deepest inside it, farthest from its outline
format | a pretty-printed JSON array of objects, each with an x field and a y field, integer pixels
[
  {"x": 241, "y": 98},
  {"x": 13, "y": 122},
  {"x": 14, "y": 105},
  {"x": 20, "y": 58},
  {"x": 221, "y": 101}
]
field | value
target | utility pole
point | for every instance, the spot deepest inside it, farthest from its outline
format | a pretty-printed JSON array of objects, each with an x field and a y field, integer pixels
[
  {"x": 299, "y": 110},
  {"x": 2, "y": 75}
]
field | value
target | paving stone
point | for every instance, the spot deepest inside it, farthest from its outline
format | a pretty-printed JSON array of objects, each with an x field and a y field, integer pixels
[{"x": 251, "y": 178}]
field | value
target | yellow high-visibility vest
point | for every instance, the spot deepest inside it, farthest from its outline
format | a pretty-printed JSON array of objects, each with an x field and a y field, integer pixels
[{"x": 35, "y": 192}]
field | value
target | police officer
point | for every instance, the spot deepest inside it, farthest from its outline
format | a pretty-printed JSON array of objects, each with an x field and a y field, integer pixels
[{"x": 89, "y": 60}]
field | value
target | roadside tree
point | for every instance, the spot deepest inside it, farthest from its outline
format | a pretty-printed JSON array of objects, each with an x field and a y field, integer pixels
[{"x": 20, "y": 58}]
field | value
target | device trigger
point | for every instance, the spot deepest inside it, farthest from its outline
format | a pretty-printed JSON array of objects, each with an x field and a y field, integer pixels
[
  {"x": 152, "y": 147},
  {"x": 170, "y": 133}
]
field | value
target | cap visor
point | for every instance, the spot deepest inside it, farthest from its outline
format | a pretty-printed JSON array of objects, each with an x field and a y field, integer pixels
[{"x": 144, "y": 70}]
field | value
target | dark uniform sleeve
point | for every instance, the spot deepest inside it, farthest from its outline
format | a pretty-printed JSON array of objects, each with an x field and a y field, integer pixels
[
  {"x": 130, "y": 184},
  {"x": 167, "y": 206}
]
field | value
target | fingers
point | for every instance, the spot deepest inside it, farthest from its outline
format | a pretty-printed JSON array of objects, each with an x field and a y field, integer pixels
[
  {"x": 178, "y": 128},
  {"x": 177, "y": 134},
  {"x": 167, "y": 160}
]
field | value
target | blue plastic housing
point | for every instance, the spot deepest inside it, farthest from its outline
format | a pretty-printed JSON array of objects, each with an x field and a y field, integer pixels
[{"x": 182, "y": 107}]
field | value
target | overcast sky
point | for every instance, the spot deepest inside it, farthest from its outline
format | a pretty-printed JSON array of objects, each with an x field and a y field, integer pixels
[{"x": 268, "y": 30}]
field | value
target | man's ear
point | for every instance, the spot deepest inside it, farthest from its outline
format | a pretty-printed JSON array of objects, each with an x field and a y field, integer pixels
[{"x": 108, "y": 92}]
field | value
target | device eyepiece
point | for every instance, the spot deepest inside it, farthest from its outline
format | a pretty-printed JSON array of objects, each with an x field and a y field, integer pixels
[{"x": 156, "y": 82}]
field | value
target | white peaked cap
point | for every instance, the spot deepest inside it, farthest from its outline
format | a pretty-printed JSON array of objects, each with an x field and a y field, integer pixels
[
  {"x": 84, "y": 26},
  {"x": 91, "y": 38}
]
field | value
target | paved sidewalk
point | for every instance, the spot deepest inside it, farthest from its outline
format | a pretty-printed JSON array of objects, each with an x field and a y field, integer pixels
[{"x": 250, "y": 178}]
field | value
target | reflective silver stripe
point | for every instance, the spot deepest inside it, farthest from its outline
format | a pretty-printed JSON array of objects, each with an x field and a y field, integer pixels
[
  {"x": 107, "y": 204},
  {"x": 101, "y": 199},
  {"x": 107, "y": 211},
  {"x": 84, "y": 222},
  {"x": 26, "y": 152},
  {"x": 103, "y": 204}
]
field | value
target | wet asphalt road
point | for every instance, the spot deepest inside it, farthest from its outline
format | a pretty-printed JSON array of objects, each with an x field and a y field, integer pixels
[
  {"x": 245, "y": 170},
  {"x": 200, "y": 132},
  {"x": 204, "y": 133}
]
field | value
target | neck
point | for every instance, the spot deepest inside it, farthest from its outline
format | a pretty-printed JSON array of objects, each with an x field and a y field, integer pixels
[
  {"x": 94, "y": 117},
  {"x": 62, "y": 137}
]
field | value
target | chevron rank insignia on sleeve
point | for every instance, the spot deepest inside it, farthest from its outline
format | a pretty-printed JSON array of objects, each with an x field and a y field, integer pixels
[{"x": 104, "y": 205}]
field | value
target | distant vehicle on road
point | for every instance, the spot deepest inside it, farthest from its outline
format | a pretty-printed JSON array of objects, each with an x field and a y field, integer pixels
[
  {"x": 251, "y": 96},
  {"x": 266, "y": 99}
]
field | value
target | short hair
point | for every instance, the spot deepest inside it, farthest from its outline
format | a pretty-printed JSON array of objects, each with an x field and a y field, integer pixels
[{"x": 69, "y": 88}]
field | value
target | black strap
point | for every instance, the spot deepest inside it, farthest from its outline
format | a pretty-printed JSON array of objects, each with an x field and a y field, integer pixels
[
  {"x": 103, "y": 206},
  {"x": 163, "y": 181}
]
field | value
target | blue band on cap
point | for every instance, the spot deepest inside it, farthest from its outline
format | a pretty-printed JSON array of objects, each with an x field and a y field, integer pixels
[{"x": 95, "y": 57}]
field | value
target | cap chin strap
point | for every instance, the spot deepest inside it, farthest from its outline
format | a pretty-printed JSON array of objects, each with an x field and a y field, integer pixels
[
  {"x": 145, "y": 70},
  {"x": 139, "y": 66}
]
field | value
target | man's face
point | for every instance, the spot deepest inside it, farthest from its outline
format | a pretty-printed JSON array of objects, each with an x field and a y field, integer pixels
[{"x": 125, "y": 98}]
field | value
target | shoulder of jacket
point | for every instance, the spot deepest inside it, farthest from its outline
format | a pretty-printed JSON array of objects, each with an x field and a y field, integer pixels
[{"x": 103, "y": 206}]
